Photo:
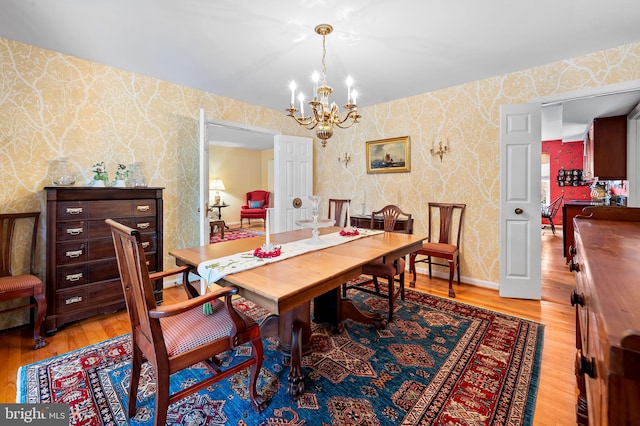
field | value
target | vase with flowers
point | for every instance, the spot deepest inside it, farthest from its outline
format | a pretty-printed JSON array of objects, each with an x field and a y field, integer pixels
[
  {"x": 121, "y": 176},
  {"x": 100, "y": 176}
]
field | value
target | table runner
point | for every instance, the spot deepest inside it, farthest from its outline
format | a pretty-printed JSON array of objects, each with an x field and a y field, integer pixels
[{"x": 215, "y": 269}]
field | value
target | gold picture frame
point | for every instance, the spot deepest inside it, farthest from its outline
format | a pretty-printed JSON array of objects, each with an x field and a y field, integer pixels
[{"x": 391, "y": 155}]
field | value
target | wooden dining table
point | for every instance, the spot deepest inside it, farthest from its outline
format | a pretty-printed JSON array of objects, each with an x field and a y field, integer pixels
[{"x": 286, "y": 288}]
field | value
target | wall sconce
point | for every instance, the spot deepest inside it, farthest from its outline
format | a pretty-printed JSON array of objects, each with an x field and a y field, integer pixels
[
  {"x": 440, "y": 151},
  {"x": 344, "y": 159}
]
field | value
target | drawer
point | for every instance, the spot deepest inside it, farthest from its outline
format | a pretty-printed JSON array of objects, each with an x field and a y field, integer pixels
[
  {"x": 149, "y": 242},
  {"x": 90, "y": 296},
  {"x": 144, "y": 207},
  {"x": 144, "y": 224},
  {"x": 84, "y": 273},
  {"x": 99, "y": 229},
  {"x": 71, "y": 252},
  {"x": 110, "y": 209},
  {"x": 72, "y": 210},
  {"x": 72, "y": 230}
]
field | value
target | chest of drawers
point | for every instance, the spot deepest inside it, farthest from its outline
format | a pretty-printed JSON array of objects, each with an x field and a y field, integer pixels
[
  {"x": 607, "y": 297},
  {"x": 82, "y": 276}
]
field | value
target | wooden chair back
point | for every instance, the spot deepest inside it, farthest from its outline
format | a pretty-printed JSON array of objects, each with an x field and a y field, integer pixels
[
  {"x": 390, "y": 215},
  {"x": 447, "y": 220},
  {"x": 137, "y": 288},
  {"x": 550, "y": 211}
]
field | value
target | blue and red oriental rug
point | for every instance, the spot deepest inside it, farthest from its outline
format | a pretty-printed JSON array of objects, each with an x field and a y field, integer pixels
[{"x": 439, "y": 362}]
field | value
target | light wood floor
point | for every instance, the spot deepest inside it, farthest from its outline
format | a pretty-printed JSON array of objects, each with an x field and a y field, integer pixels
[{"x": 555, "y": 403}]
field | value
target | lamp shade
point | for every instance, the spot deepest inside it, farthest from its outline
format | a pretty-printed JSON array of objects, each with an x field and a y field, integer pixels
[{"x": 217, "y": 185}]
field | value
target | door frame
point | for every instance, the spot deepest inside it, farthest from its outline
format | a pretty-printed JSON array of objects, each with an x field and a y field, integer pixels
[{"x": 204, "y": 163}]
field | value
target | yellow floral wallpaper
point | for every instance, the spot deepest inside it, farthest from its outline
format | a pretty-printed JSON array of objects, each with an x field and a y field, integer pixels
[{"x": 54, "y": 105}]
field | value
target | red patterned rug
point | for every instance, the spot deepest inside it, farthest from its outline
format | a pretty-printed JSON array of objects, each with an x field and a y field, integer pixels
[
  {"x": 439, "y": 362},
  {"x": 234, "y": 234}
]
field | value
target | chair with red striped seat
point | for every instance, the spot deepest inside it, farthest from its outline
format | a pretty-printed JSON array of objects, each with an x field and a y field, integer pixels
[
  {"x": 18, "y": 254},
  {"x": 174, "y": 337}
]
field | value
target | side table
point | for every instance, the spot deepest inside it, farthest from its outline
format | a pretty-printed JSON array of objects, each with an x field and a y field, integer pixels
[{"x": 219, "y": 207}]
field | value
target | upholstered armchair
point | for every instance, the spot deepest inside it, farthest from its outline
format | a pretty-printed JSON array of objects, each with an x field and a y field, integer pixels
[{"x": 256, "y": 206}]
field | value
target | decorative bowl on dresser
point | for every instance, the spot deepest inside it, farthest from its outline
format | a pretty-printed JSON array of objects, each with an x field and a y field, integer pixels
[
  {"x": 607, "y": 299},
  {"x": 82, "y": 273}
]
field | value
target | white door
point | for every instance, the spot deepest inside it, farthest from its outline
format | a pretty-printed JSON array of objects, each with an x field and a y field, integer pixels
[
  {"x": 203, "y": 193},
  {"x": 293, "y": 181},
  {"x": 520, "y": 148}
]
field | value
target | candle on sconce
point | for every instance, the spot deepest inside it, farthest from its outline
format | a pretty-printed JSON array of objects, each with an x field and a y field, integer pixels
[{"x": 349, "y": 83}]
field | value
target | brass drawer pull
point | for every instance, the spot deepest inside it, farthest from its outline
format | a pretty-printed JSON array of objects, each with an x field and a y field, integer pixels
[
  {"x": 74, "y": 277},
  {"x": 74, "y": 253},
  {"x": 74, "y": 299},
  {"x": 74, "y": 231},
  {"x": 74, "y": 210},
  {"x": 148, "y": 263},
  {"x": 145, "y": 245},
  {"x": 143, "y": 225},
  {"x": 143, "y": 208}
]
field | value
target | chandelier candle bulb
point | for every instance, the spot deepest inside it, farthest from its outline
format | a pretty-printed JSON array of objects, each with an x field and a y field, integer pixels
[
  {"x": 301, "y": 99},
  {"x": 349, "y": 83},
  {"x": 292, "y": 86}
]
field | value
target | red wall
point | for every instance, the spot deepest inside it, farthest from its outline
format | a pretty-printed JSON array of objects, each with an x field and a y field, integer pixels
[{"x": 567, "y": 155}]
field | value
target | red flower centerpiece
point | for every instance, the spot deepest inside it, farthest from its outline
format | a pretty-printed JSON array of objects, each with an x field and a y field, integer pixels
[
  {"x": 267, "y": 251},
  {"x": 349, "y": 231}
]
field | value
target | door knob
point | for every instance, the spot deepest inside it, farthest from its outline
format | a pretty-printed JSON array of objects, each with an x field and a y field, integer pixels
[{"x": 519, "y": 210}]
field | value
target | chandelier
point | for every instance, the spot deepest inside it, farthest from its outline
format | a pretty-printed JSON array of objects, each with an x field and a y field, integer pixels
[{"x": 324, "y": 116}]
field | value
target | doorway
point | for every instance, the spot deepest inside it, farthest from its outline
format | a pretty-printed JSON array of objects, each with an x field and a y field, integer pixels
[{"x": 577, "y": 110}]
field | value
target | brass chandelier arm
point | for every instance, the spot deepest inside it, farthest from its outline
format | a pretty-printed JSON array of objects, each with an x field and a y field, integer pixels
[
  {"x": 309, "y": 122},
  {"x": 353, "y": 115}
]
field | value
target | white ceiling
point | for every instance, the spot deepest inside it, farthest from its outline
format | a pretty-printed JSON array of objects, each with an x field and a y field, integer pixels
[{"x": 250, "y": 50}]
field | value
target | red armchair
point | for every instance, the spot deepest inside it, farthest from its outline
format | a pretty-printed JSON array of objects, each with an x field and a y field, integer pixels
[{"x": 256, "y": 206}]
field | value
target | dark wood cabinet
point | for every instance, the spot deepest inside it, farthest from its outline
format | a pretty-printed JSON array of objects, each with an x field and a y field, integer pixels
[
  {"x": 82, "y": 273},
  {"x": 606, "y": 149},
  {"x": 606, "y": 298}
]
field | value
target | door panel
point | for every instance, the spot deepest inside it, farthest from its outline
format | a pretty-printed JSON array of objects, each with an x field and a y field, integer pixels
[
  {"x": 520, "y": 218},
  {"x": 293, "y": 176}
]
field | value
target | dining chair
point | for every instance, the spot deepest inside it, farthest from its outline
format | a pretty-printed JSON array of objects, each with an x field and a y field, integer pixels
[
  {"x": 338, "y": 211},
  {"x": 19, "y": 232},
  {"x": 381, "y": 267},
  {"x": 443, "y": 241},
  {"x": 174, "y": 337},
  {"x": 549, "y": 212}
]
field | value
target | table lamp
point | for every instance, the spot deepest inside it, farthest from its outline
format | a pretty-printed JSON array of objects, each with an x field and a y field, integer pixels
[{"x": 218, "y": 186}]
